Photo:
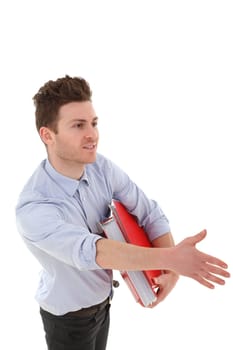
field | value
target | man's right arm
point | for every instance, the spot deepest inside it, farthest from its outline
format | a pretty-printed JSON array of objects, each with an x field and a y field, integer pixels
[{"x": 184, "y": 259}]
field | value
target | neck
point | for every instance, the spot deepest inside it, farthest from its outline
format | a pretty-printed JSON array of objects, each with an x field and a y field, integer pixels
[{"x": 70, "y": 169}]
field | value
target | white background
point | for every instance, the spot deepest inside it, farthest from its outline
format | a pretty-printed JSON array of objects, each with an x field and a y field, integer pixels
[{"x": 161, "y": 74}]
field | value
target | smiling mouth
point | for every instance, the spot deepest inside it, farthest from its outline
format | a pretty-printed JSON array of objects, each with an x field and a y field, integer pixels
[{"x": 90, "y": 146}]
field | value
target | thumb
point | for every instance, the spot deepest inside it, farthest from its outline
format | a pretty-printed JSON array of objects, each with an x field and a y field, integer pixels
[
  {"x": 158, "y": 280},
  {"x": 198, "y": 237}
]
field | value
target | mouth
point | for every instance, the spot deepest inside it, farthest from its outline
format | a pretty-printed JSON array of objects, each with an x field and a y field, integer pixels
[{"x": 90, "y": 146}]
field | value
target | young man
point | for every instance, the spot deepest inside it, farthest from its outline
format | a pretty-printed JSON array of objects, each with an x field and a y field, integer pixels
[{"x": 58, "y": 214}]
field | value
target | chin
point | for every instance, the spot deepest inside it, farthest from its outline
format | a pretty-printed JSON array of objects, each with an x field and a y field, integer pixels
[{"x": 90, "y": 159}]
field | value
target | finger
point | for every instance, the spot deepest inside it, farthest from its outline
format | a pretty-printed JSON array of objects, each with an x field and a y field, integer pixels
[
  {"x": 217, "y": 270},
  {"x": 160, "y": 297},
  {"x": 198, "y": 237},
  {"x": 205, "y": 278},
  {"x": 211, "y": 260},
  {"x": 204, "y": 282},
  {"x": 158, "y": 280},
  {"x": 156, "y": 302},
  {"x": 161, "y": 279},
  {"x": 152, "y": 305},
  {"x": 213, "y": 278}
]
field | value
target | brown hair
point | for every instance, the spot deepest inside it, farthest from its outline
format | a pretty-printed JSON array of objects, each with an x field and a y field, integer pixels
[{"x": 54, "y": 94}]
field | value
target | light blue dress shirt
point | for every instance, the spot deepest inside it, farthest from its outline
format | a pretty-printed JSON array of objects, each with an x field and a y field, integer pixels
[{"x": 58, "y": 218}]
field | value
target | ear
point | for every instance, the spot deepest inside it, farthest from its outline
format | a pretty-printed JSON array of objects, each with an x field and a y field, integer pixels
[{"x": 46, "y": 135}]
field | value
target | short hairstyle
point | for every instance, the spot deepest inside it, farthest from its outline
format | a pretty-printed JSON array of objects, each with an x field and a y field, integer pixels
[{"x": 54, "y": 94}]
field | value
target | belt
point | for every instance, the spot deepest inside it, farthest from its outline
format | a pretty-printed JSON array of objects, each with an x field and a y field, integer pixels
[{"x": 89, "y": 311}]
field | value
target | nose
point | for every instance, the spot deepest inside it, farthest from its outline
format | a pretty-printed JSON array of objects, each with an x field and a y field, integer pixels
[{"x": 91, "y": 133}]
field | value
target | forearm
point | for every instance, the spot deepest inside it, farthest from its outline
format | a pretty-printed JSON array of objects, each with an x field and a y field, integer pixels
[
  {"x": 163, "y": 241},
  {"x": 183, "y": 258},
  {"x": 111, "y": 254}
]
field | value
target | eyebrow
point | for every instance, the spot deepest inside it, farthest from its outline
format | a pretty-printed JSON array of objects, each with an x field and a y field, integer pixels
[{"x": 82, "y": 120}]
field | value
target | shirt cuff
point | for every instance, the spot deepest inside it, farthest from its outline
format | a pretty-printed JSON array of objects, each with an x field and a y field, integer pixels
[{"x": 84, "y": 254}]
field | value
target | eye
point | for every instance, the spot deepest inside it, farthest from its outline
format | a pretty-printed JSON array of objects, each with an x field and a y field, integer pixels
[
  {"x": 95, "y": 124},
  {"x": 78, "y": 125}
]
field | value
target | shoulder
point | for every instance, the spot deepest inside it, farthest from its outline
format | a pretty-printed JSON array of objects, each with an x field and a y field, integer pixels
[
  {"x": 36, "y": 178},
  {"x": 37, "y": 186}
]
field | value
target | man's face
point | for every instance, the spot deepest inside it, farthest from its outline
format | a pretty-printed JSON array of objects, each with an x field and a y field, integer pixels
[{"x": 77, "y": 134}]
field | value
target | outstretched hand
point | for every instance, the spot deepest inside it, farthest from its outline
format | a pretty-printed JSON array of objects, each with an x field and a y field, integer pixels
[{"x": 204, "y": 268}]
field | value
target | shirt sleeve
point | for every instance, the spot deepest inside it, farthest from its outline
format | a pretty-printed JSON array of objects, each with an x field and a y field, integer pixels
[
  {"x": 147, "y": 211},
  {"x": 41, "y": 223}
]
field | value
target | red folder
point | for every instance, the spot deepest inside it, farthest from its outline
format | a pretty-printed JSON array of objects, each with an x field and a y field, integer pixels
[{"x": 140, "y": 283}]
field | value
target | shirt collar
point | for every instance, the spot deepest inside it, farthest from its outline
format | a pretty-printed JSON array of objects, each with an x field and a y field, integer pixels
[{"x": 69, "y": 185}]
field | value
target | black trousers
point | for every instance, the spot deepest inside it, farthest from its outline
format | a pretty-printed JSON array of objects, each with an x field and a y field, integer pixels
[{"x": 77, "y": 331}]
